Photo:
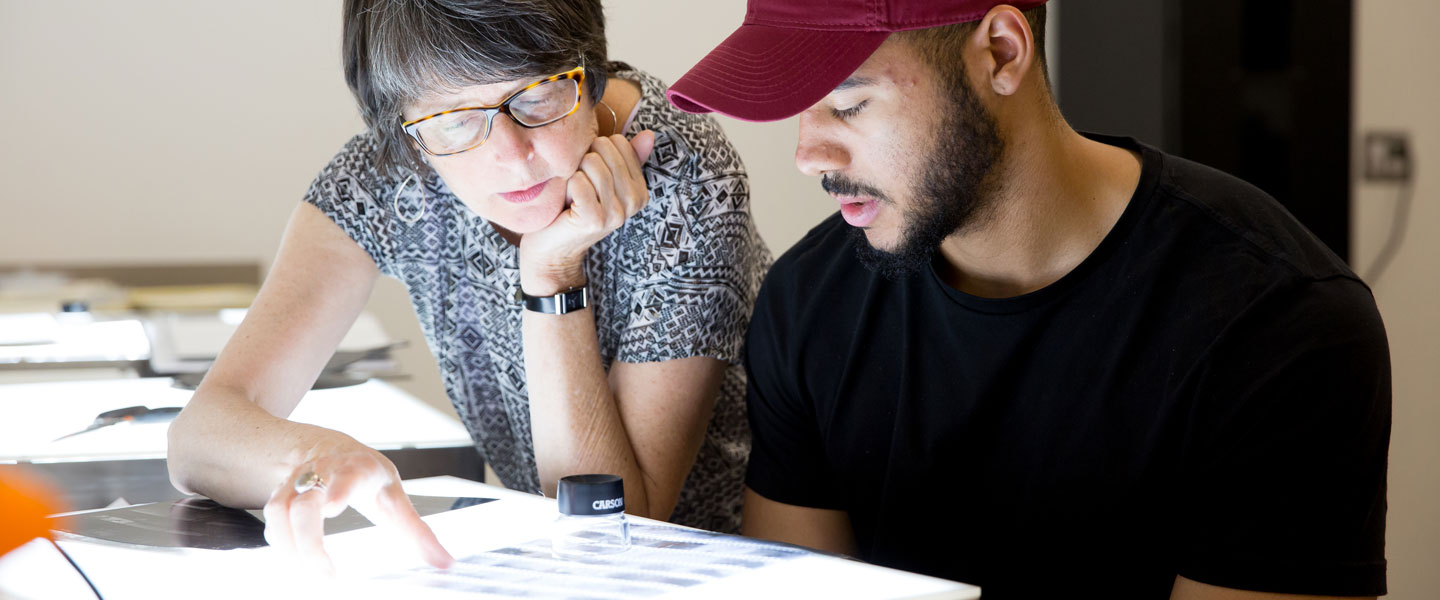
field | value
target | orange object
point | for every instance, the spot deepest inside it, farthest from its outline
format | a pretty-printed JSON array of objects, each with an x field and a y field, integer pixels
[{"x": 26, "y": 502}]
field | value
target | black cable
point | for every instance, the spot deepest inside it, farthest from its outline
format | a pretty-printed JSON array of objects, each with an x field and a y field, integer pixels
[
  {"x": 77, "y": 569},
  {"x": 1397, "y": 236}
]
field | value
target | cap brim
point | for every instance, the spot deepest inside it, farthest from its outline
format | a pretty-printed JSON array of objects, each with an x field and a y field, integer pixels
[{"x": 763, "y": 73}]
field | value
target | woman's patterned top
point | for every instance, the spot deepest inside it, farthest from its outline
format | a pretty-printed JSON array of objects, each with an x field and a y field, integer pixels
[{"x": 677, "y": 280}]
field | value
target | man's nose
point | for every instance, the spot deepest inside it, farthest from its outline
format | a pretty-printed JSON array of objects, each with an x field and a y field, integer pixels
[{"x": 816, "y": 152}]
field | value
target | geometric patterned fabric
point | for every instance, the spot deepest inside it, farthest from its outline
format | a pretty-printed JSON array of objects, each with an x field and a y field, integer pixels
[{"x": 677, "y": 280}]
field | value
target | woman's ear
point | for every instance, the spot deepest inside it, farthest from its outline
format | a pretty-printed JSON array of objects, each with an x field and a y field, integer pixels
[{"x": 1007, "y": 49}]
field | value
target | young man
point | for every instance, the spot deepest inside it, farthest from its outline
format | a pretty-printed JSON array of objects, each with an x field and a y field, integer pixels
[{"x": 1047, "y": 363}]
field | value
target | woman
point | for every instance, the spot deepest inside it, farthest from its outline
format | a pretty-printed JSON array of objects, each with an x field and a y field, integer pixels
[{"x": 496, "y": 182}]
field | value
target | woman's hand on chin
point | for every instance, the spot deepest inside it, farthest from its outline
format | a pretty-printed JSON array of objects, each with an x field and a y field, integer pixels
[{"x": 608, "y": 188}]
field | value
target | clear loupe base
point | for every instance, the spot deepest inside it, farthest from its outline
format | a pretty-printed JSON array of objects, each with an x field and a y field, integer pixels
[{"x": 578, "y": 537}]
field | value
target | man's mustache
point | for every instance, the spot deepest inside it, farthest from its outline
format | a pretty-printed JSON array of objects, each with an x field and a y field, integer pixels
[{"x": 838, "y": 185}]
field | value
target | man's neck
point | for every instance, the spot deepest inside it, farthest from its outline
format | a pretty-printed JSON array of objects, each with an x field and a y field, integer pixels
[{"x": 1058, "y": 195}]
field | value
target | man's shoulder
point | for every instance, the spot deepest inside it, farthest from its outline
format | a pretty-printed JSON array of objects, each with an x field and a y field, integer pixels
[
  {"x": 1242, "y": 221},
  {"x": 1234, "y": 259}
]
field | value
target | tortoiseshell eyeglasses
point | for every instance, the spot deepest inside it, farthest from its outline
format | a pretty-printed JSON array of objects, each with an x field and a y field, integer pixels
[{"x": 535, "y": 105}]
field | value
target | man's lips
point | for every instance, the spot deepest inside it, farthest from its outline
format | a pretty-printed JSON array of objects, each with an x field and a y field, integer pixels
[
  {"x": 525, "y": 195},
  {"x": 858, "y": 211}
]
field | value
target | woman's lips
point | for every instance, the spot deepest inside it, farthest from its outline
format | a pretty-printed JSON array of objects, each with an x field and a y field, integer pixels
[
  {"x": 859, "y": 212},
  {"x": 525, "y": 195}
]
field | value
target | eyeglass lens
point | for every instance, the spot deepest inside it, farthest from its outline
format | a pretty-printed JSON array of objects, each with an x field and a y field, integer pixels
[{"x": 462, "y": 130}]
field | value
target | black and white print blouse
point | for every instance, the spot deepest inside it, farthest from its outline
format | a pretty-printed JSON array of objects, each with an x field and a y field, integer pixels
[{"x": 677, "y": 280}]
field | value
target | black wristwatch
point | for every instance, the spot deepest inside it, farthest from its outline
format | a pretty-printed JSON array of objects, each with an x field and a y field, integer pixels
[{"x": 567, "y": 301}]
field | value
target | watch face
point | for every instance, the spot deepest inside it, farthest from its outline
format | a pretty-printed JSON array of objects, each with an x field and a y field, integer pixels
[{"x": 576, "y": 299}]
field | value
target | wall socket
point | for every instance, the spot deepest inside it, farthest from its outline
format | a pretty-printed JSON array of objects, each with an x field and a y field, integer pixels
[{"x": 1387, "y": 156}]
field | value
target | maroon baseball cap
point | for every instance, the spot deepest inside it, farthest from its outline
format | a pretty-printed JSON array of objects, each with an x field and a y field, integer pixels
[{"x": 788, "y": 54}]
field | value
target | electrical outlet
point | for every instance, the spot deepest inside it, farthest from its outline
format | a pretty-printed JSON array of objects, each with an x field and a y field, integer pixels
[{"x": 1387, "y": 156}]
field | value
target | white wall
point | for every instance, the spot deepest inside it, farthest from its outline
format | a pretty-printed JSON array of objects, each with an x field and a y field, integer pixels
[
  {"x": 786, "y": 204},
  {"x": 151, "y": 130},
  {"x": 1397, "y": 87},
  {"x": 154, "y": 131}
]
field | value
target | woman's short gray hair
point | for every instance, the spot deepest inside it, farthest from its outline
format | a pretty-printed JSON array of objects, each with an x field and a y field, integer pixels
[{"x": 398, "y": 51}]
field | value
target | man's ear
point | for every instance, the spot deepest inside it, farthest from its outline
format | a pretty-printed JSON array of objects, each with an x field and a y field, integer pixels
[{"x": 1006, "y": 47}]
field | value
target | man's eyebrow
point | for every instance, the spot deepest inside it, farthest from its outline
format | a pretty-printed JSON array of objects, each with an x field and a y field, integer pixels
[{"x": 854, "y": 82}]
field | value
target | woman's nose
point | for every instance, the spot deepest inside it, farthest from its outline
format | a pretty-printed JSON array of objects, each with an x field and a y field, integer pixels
[{"x": 509, "y": 142}]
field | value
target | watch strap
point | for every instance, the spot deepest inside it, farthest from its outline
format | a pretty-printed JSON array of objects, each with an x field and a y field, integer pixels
[{"x": 568, "y": 301}]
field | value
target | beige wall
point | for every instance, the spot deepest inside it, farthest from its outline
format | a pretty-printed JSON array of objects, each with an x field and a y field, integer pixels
[
  {"x": 149, "y": 130},
  {"x": 1397, "y": 87},
  {"x": 152, "y": 130},
  {"x": 146, "y": 129}
]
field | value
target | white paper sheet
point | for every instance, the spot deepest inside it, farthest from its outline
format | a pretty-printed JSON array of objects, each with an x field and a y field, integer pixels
[{"x": 662, "y": 559}]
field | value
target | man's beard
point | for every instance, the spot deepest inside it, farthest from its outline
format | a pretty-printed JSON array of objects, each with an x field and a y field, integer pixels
[{"x": 950, "y": 194}]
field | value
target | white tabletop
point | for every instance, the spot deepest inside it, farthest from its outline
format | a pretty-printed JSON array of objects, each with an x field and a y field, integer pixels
[
  {"x": 39, "y": 339},
  {"x": 35, "y": 414}
]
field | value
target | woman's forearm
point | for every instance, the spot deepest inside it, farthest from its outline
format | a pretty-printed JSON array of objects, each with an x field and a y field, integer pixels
[
  {"x": 227, "y": 448},
  {"x": 578, "y": 423},
  {"x": 575, "y": 422}
]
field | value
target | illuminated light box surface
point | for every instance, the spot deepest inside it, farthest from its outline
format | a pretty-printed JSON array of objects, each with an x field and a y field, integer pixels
[{"x": 372, "y": 563}]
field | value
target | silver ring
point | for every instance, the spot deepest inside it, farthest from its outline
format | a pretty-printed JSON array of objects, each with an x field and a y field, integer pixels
[{"x": 308, "y": 481}]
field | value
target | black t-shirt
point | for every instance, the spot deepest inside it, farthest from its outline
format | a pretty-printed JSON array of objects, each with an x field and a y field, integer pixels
[{"x": 1207, "y": 394}]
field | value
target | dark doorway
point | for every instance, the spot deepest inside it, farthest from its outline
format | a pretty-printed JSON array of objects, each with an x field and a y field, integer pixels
[{"x": 1260, "y": 89}]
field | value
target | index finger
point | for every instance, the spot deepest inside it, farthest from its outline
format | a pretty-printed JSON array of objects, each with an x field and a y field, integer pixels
[
  {"x": 622, "y": 153},
  {"x": 392, "y": 509}
]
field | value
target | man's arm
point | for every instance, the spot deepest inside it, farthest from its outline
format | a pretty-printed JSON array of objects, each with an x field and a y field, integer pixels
[
  {"x": 1189, "y": 589},
  {"x": 818, "y": 528},
  {"x": 1282, "y": 483}
]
